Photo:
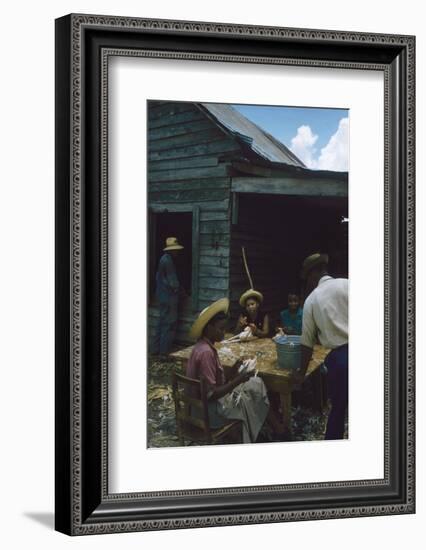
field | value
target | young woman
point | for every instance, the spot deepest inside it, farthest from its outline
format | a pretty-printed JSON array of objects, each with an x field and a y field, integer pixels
[{"x": 252, "y": 315}]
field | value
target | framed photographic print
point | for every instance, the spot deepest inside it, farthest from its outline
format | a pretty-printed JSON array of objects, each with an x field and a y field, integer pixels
[{"x": 233, "y": 205}]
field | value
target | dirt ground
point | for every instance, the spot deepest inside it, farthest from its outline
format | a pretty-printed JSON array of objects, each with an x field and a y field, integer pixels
[{"x": 307, "y": 425}]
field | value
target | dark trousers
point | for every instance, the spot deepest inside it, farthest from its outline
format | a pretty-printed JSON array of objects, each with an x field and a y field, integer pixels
[
  {"x": 166, "y": 327},
  {"x": 337, "y": 386}
]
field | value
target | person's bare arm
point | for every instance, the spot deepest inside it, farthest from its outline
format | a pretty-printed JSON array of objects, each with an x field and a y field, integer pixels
[
  {"x": 219, "y": 391},
  {"x": 308, "y": 338},
  {"x": 241, "y": 324},
  {"x": 231, "y": 372},
  {"x": 306, "y": 355},
  {"x": 264, "y": 331}
]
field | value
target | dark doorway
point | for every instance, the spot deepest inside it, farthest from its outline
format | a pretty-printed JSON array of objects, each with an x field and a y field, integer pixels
[
  {"x": 278, "y": 232},
  {"x": 162, "y": 226}
]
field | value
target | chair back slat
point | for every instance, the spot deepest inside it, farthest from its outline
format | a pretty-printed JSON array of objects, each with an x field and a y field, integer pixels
[
  {"x": 189, "y": 426},
  {"x": 184, "y": 402},
  {"x": 182, "y": 379}
]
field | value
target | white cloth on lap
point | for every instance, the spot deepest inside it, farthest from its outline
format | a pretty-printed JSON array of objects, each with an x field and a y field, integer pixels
[{"x": 251, "y": 407}]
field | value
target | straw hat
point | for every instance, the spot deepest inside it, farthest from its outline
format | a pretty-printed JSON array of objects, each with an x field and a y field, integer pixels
[
  {"x": 172, "y": 244},
  {"x": 207, "y": 314},
  {"x": 312, "y": 261},
  {"x": 251, "y": 293}
]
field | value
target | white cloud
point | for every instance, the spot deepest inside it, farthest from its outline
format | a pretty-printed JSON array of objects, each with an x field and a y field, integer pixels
[
  {"x": 334, "y": 156},
  {"x": 303, "y": 145}
]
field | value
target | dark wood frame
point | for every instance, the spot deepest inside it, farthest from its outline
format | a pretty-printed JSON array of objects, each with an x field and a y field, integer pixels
[{"x": 83, "y": 504}]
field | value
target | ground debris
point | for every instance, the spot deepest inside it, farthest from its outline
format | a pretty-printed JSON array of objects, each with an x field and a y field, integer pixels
[
  {"x": 159, "y": 392},
  {"x": 307, "y": 425},
  {"x": 161, "y": 426}
]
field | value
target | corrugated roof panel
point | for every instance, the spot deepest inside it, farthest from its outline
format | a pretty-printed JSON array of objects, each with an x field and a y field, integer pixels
[{"x": 260, "y": 141}]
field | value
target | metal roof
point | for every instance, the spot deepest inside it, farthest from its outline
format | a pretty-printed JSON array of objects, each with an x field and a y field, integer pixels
[{"x": 262, "y": 143}]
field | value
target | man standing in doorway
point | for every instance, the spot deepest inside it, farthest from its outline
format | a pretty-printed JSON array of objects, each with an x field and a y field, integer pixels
[
  {"x": 167, "y": 293},
  {"x": 325, "y": 318}
]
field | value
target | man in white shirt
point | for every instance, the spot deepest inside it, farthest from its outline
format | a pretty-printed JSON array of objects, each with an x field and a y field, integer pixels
[{"x": 325, "y": 319}]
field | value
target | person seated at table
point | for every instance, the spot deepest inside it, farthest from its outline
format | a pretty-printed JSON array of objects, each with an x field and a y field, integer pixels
[
  {"x": 242, "y": 396},
  {"x": 291, "y": 317},
  {"x": 252, "y": 315}
]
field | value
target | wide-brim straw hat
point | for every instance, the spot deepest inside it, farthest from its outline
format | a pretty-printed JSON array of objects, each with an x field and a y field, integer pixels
[
  {"x": 251, "y": 293},
  {"x": 312, "y": 261},
  {"x": 172, "y": 244},
  {"x": 205, "y": 316}
]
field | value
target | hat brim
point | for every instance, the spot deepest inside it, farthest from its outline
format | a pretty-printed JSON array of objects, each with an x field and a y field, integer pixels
[
  {"x": 321, "y": 259},
  {"x": 173, "y": 247},
  {"x": 205, "y": 316},
  {"x": 251, "y": 293}
]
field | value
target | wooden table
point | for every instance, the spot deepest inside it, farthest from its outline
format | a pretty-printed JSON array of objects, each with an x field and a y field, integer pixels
[{"x": 275, "y": 378}]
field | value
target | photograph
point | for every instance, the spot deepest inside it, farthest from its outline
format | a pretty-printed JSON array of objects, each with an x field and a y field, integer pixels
[
  {"x": 247, "y": 258},
  {"x": 217, "y": 187},
  {"x": 207, "y": 202}
]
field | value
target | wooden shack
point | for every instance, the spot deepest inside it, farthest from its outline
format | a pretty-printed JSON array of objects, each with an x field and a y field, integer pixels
[{"x": 218, "y": 182}]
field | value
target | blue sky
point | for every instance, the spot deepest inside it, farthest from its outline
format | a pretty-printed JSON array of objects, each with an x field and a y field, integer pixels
[{"x": 317, "y": 136}]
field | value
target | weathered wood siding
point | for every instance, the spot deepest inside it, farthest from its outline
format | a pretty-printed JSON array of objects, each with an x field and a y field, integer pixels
[{"x": 188, "y": 166}]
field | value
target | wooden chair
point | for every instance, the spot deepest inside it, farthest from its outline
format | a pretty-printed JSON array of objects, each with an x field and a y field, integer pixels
[{"x": 197, "y": 428}]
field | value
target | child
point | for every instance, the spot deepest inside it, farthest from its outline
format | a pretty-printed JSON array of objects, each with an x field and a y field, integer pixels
[{"x": 291, "y": 318}]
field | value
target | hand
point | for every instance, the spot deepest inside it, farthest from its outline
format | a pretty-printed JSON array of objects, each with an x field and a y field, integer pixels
[
  {"x": 253, "y": 328},
  {"x": 240, "y": 361},
  {"x": 238, "y": 364},
  {"x": 242, "y": 320},
  {"x": 297, "y": 377},
  {"x": 244, "y": 376}
]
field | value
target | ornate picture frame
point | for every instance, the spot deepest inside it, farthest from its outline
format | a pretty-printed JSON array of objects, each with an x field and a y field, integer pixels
[{"x": 84, "y": 44}]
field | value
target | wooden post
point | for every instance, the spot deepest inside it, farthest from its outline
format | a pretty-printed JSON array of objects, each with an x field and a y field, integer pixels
[
  {"x": 285, "y": 397},
  {"x": 175, "y": 389}
]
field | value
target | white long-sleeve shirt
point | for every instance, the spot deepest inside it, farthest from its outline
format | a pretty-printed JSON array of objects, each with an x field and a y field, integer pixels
[{"x": 325, "y": 314}]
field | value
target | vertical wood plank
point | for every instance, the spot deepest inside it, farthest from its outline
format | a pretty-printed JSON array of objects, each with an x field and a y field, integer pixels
[
  {"x": 235, "y": 204},
  {"x": 152, "y": 247},
  {"x": 195, "y": 255}
]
